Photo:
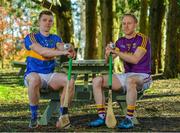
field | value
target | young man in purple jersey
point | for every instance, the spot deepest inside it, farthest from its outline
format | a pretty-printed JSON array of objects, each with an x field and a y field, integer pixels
[
  {"x": 42, "y": 48},
  {"x": 135, "y": 51}
]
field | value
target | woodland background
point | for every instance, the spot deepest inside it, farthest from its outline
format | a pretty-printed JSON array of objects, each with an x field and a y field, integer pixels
[{"x": 91, "y": 24}]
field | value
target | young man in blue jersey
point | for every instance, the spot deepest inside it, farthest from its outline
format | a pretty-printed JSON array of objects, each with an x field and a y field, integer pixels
[
  {"x": 42, "y": 48},
  {"x": 134, "y": 50}
]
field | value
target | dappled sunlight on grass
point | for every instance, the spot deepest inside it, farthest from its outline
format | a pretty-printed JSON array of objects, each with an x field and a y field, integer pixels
[
  {"x": 158, "y": 110},
  {"x": 168, "y": 86},
  {"x": 13, "y": 94}
]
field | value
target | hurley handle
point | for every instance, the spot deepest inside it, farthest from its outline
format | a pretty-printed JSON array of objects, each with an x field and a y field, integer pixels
[
  {"x": 70, "y": 68},
  {"x": 110, "y": 71}
]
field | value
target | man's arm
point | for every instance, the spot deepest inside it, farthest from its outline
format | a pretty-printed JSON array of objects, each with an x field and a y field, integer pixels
[
  {"x": 47, "y": 52},
  {"x": 60, "y": 46},
  {"x": 131, "y": 58}
]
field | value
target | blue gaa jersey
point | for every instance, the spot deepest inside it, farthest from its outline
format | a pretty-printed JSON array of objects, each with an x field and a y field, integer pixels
[{"x": 36, "y": 62}]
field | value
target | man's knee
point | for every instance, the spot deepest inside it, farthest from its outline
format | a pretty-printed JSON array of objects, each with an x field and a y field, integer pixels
[
  {"x": 131, "y": 80},
  {"x": 97, "y": 81},
  {"x": 34, "y": 79},
  {"x": 131, "y": 83}
]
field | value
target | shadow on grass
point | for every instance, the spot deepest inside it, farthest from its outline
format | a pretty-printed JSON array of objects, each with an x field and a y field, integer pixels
[
  {"x": 79, "y": 123},
  {"x": 159, "y": 96},
  {"x": 15, "y": 118}
]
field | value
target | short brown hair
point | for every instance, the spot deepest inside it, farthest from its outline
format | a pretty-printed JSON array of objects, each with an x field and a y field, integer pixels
[
  {"x": 45, "y": 12},
  {"x": 130, "y": 15}
]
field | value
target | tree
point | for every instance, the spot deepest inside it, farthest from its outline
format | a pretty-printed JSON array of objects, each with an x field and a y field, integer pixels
[
  {"x": 157, "y": 11},
  {"x": 106, "y": 23},
  {"x": 13, "y": 28},
  {"x": 143, "y": 17},
  {"x": 172, "y": 56},
  {"x": 91, "y": 23}
]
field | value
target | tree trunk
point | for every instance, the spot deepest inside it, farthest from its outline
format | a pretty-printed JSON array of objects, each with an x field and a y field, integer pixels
[
  {"x": 143, "y": 17},
  {"x": 91, "y": 20},
  {"x": 64, "y": 24},
  {"x": 83, "y": 29},
  {"x": 106, "y": 23},
  {"x": 172, "y": 64},
  {"x": 157, "y": 11}
]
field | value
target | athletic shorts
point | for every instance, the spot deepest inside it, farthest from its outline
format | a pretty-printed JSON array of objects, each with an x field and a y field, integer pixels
[
  {"x": 45, "y": 79},
  {"x": 144, "y": 76}
]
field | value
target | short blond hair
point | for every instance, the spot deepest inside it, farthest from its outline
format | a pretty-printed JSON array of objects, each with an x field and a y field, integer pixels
[{"x": 130, "y": 15}]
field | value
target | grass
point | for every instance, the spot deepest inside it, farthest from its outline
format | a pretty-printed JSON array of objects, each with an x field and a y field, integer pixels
[
  {"x": 10, "y": 94},
  {"x": 159, "y": 110}
]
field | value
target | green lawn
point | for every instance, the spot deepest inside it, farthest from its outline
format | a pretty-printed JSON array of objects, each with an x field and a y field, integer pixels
[{"x": 14, "y": 94}]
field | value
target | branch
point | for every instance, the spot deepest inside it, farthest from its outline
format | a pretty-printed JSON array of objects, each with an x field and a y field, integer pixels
[{"x": 46, "y": 4}]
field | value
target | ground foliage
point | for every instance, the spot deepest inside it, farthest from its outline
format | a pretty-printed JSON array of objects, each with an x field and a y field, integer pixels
[{"x": 159, "y": 110}]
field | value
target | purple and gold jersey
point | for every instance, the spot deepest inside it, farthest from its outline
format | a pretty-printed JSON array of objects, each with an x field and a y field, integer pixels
[
  {"x": 36, "y": 62},
  {"x": 129, "y": 46}
]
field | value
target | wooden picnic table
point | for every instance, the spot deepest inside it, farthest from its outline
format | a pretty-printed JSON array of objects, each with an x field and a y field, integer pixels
[{"x": 86, "y": 69}]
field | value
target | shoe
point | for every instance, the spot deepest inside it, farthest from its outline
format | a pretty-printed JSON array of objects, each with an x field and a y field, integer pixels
[
  {"x": 126, "y": 124},
  {"x": 33, "y": 123},
  {"x": 96, "y": 123}
]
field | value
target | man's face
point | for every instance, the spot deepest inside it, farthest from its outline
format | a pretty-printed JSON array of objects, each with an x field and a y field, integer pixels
[
  {"x": 128, "y": 25},
  {"x": 46, "y": 22}
]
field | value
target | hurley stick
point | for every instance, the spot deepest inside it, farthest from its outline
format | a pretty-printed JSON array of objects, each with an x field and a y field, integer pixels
[
  {"x": 64, "y": 119},
  {"x": 110, "y": 117}
]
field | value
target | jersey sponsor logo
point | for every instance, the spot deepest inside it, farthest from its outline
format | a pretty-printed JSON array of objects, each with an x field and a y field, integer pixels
[
  {"x": 122, "y": 46},
  {"x": 134, "y": 45}
]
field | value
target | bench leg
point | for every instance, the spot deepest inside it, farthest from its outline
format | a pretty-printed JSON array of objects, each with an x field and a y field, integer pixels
[
  {"x": 123, "y": 107},
  {"x": 53, "y": 107}
]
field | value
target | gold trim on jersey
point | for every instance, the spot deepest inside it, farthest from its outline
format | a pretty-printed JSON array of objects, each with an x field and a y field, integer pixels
[
  {"x": 144, "y": 40},
  {"x": 33, "y": 54},
  {"x": 142, "y": 48},
  {"x": 32, "y": 38}
]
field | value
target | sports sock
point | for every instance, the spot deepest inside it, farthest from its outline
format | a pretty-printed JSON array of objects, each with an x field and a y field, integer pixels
[
  {"x": 130, "y": 111},
  {"x": 101, "y": 111},
  {"x": 34, "y": 109},
  {"x": 63, "y": 110}
]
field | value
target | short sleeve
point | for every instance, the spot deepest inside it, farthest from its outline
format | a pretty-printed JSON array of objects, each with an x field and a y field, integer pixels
[
  {"x": 142, "y": 41},
  {"x": 120, "y": 45},
  {"x": 58, "y": 39},
  {"x": 27, "y": 42}
]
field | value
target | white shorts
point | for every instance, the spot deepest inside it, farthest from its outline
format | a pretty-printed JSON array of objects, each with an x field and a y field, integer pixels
[
  {"x": 143, "y": 76},
  {"x": 45, "y": 79}
]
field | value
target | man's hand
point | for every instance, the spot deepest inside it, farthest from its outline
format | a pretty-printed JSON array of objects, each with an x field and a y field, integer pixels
[
  {"x": 72, "y": 53},
  {"x": 70, "y": 50},
  {"x": 110, "y": 50}
]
